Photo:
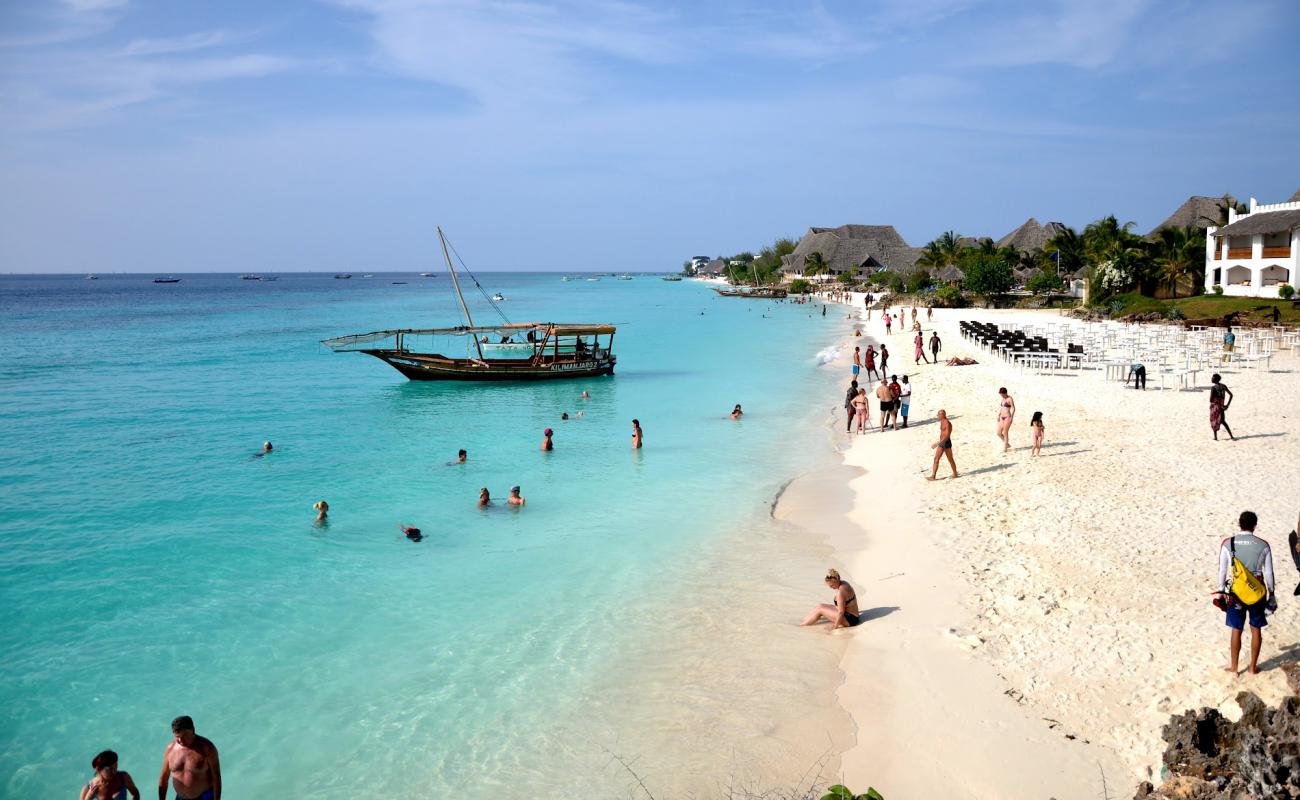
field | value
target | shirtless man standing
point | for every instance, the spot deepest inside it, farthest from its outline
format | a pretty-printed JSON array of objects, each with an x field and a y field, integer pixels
[
  {"x": 943, "y": 446},
  {"x": 886, "y": 398},
  {"x": 192, "y": 763}
]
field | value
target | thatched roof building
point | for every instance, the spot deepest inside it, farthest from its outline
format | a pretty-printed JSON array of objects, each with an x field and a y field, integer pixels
[
  {"x": 1031, "y": 236},
  {"x": 854, "y": 249},
  {"x": 1262, "y": 222},
  {"x": 1198, "y": 212}
]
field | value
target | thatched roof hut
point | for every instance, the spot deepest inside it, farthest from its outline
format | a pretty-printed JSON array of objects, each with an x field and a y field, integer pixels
[
  {"x": 1198, "y": 212},
  {"x": 854, "y": 249},
  {"x": 1031, "y": 236},
  {"x": 1266, "y": 222}
]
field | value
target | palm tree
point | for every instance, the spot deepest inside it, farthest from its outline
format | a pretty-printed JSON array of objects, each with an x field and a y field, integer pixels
[
  {"x": 1068, "y": 249},
  {"x": 1226, "y": 202},
  {"x": 814, "y": 264},
  {"x": 1179, "y": 253}
]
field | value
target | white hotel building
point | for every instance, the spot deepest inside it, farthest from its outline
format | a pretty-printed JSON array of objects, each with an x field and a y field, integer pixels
[{"x": 1255, "y": 252}]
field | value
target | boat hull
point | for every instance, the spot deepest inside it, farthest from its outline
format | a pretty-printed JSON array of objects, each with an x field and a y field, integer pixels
[{"x": 418, "y": 367}]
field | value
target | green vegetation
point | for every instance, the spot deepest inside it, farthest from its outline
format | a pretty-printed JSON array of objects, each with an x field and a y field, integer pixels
[
  {"x": 1204, "y": 307},
  {"x": 800, "y": 286},
  {"x": 985, "y": 273},
  {"x": 841, "y": 792},
  {"x": 1286, "y": 291},
  {"x": 765, "y": 268},
  {"x": 1045, "y": 281}
]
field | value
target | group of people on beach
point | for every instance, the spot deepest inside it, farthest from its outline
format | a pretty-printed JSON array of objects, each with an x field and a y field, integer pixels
[
  {"x": 894, "y": 398},
  {"x": 191, "y": 765}
]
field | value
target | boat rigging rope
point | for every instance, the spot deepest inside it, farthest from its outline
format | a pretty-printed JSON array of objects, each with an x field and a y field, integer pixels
[{"x": 478, "y": 285}]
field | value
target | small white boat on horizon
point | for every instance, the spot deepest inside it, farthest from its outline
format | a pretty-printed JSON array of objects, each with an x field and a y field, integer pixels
[
  {"x": 594, "y": 279},
  {"x": 92, "y": 277},
  {"x": 625, "y": 277},
  {"x": 498, "y": 297},
  {"x": 426, "y": 275}
]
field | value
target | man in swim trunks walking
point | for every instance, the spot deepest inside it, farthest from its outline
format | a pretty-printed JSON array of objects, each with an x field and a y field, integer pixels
[
  {"x": 1256, "y": 555},
  {"x": 935, "y": 347},
  {"x": 943, "y": 447},
  {"x": 884, "y": 359},
  {"x": 192, "y": 763}
]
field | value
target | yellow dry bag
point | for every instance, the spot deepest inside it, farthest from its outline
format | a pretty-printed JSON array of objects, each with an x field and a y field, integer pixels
[{"x": 1246, "y": 585}]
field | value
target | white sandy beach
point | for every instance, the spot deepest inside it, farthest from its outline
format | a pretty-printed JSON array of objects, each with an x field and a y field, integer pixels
[{"x": 1033, "y": 624}]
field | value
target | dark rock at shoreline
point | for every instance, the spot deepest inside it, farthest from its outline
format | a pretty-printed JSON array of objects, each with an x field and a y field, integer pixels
[{"x": 1210, "y": 757}]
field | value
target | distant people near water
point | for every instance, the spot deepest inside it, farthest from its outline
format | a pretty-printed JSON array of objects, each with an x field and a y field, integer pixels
[
  {"x": 935, "y": 346},
  {"x": 637, "y": 435},
  {"x": 905, "y": 399},
  {"x": 461, "y": 457},
  {"x": 737, "y": 413},
  {"x": 862, "y": 410},
  {"x": 857, "y": 361},
  {"x": 585, "y": 395},
  {"x": 1251, "y": 553},
  {"x": 842, "y": 611},
  {"x": 919, "y": 341},
  {"x": 857, "y": 332},
  {"x": 913, "y": 314},
  {"x": 322, "y": 512},
  {"x": 895, "y": 392},
  {"x": 411, "y": 532},
  {"x": 484, "y": 498},
  {"x": 889, "y": 324},
  {"x": 515, "y": 499},
  {"x": 849, "y": 411},
  {"x": 1220, "y": 401},
  {"x": 929, "y": 313},
  {"x": 564, "y": 416},
  {"x": 871, "y": 362},
  {"x": 884, "y": 359},
  {"x": 267, "y": 447},
  {"x": 1229, "y": 344},
  {"x": 886, "y": 399},
  {"x": 1006, "y": 416},
  {"x": 192, "y": 763},
  {"x": 943, "y": 447},
  {"x": 1138, "y": 372},
  {"x": 547, "y": 443},
  {"x": 108, "y": 783},
  {"x": 1036, "y": 428}
]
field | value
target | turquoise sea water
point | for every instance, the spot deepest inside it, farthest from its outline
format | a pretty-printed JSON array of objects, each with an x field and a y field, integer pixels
[{"x": 151, "y": 566}]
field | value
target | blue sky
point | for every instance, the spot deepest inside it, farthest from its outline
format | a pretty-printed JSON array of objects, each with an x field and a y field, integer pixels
[{"x": 334, "y": 134}]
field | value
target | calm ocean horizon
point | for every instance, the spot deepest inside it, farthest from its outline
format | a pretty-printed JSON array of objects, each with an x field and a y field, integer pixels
[{"x": 153, "y": 566}]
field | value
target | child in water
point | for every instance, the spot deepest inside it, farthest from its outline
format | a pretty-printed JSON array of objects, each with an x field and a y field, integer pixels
[{"x": 1037, "y": 425}]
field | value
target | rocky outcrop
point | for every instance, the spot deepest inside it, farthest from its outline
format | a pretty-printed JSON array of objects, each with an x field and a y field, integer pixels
[{"x": 1210, "y": 757}]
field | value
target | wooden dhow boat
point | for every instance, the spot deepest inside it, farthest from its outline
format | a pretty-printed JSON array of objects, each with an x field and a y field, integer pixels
[
  {"x": 752, "y": 292},
  {"x": 510, "y": 351}
]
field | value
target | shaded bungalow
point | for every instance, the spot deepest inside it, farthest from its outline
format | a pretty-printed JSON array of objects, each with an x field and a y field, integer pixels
[
  {"x": 853, "y": 249},
  {"x": 1031, "y": 236}
]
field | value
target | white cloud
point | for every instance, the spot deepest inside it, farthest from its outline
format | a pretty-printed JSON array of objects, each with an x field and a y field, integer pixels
[{"x": 177, "y": 44}]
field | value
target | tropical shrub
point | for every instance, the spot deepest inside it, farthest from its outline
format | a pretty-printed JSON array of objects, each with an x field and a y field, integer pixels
[
  {"x": 840, "y": 792},
  {"x": 985, "y": 273},
  {"x": 918, "y": 281},
  {"x": 1176, "y": 313},
  {"x": 896, "y": 282},
  {"x": 948, "y": 297},
  {"x": 800, "y": 286},
  {"x": 1045, "y": 281},
  {"x": 1286, "y": 291},
  {"x": 846, "y": 278},
  {"x": 1217, "y": 289}
]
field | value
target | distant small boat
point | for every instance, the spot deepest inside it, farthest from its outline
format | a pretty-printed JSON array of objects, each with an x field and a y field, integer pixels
[
  {"x": 672, "y": 277},
  {"x": 625, "y": 277},
  {"x": 426, "y": 275},
  {"x": 167, "y": 280},
  {"x": 594, "y": 279},
  {"x": 498, "y": 297},
  {"x": 268, "y": 278},
  {"x": 342, "y": 276},
  {"x": 367, "y": 275},
  {"x": 250, "y": 277},
  {"x": 399, "y": 283},
  {"x": 92, "y": 277},
  {"x": 565, "y": 278}
]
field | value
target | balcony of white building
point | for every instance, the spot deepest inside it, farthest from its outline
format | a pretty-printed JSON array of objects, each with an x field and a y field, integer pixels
[{"x": 1255, "y": 253}]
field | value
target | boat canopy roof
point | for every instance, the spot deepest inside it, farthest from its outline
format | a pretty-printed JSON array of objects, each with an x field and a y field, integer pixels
[{"x": 504, "y": 329}]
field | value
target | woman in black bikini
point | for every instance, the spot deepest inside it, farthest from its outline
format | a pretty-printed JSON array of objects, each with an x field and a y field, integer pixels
[{"x": 843, "y": 613}]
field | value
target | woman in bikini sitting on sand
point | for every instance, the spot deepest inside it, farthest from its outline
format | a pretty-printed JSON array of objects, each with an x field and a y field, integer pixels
[
  {"x": 843, "y": 612},
  {"x": 1006, "y": 416}
]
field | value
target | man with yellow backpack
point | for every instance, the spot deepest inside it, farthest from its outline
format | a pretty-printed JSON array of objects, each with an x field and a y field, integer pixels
[{"x": 1246, "y": 577}]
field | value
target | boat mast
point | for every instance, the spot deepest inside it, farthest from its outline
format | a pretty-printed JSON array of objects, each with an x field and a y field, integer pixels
[{"x": 456, "y": 282}]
